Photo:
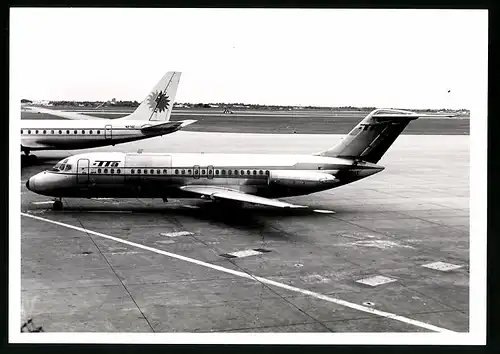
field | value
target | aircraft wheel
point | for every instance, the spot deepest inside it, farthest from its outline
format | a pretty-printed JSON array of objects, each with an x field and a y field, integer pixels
[{"x": 58, "y": 205}]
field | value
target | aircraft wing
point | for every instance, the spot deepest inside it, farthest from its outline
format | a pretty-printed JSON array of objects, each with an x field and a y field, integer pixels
[
  {"x": 167, "y": 126},
  {"x": 214, "y": 193},
  {"x": 63, "y": 114}
]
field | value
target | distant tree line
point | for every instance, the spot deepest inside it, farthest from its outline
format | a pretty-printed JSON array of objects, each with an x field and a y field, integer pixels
[
  {"x": 94, "y": 103},
  {"x": 230, "y": 106}
]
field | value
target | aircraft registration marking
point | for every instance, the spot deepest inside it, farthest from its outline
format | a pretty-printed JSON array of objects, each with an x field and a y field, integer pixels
[{"x": 254, "y": 277}]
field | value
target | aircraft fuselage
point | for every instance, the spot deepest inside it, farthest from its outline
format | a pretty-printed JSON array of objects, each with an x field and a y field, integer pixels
[
  {"x": 125, "y": 175},
  {"x": 80, "y": 134}
]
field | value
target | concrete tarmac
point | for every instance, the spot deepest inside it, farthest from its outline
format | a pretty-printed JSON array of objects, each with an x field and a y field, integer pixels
[{"x": 391, "y": 227}]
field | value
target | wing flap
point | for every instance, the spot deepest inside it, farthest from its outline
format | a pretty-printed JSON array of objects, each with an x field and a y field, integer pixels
[{"x": 214, "y": 193}]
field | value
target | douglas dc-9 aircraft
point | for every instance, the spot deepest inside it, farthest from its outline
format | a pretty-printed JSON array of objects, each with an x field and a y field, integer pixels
[
  {"x": 150, "y": 119},
  {"x": 250, "y": 178}
]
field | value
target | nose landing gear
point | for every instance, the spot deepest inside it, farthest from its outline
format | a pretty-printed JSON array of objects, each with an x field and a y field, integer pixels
[{"x": 58, "y": 205}]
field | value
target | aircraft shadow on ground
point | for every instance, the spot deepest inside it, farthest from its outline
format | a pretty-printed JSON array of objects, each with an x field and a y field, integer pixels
[{"x": 234, "y": 215}]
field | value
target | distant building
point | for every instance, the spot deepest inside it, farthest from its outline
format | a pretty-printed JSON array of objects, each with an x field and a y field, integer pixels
[{"x": 42, "y": 103}]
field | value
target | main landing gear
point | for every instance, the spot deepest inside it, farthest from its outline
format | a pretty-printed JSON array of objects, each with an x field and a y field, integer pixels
[{"x": 58, "y": 205}]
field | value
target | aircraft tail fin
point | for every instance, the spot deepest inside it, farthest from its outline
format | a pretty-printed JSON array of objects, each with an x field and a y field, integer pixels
[
  {"x": 372, "y": 137},
  {"x": 157, "y": 106}
]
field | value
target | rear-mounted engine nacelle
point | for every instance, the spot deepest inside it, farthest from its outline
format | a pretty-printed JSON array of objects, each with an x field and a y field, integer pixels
[{"x": 300, "y": 178}]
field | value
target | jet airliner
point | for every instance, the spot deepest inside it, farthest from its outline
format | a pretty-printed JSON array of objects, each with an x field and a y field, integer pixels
[
  {"x": 242, "y": 178},
  {"x": 79, "y": 131}
]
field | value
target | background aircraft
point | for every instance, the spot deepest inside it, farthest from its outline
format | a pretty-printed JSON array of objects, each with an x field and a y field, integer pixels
[
  {"x": 79, "y": 131},
  {"x": 251, "y": 178}
]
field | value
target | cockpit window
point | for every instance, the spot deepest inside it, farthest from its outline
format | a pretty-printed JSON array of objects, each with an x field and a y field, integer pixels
[
  {"x": 60, "y": 166},
  {"x": 68, "y": 167}
]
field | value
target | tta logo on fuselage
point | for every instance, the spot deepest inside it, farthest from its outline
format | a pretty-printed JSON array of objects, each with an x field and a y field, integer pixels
[
  {"x": 99, "y": 163},
  {"x": 158, "y": 101}
]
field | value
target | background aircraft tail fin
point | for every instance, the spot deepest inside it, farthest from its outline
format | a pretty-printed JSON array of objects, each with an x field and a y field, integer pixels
[
  {"x": 157, "y": 106},
  {"x": 372, "y": 137}
]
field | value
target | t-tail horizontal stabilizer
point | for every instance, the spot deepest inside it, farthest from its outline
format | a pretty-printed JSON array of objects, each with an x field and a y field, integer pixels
[{"x": 372, "y": 137}]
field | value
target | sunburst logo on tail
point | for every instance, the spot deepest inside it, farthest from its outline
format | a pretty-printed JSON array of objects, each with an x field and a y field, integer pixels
[{"x": 158, "y": 101}]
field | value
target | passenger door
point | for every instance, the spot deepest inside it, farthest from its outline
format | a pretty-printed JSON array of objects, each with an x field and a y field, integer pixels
[
  {"x": 82, "y": 171},
  {"x": 108, "y": 131}
]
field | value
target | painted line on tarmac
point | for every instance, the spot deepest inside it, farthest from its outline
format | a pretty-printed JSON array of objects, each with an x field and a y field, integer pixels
[{"x": 256, "y": 278}]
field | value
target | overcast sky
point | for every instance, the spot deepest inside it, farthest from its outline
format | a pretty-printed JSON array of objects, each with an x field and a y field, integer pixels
[{"x": 381, "y": 58}]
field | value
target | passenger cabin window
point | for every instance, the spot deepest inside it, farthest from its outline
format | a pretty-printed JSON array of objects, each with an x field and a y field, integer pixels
[
  {"x": 189, "y": 172},
  {"x": 118, "y": 171},
  {"x": 138, "y": 171},
  {"x": 176, "y": 172},
  {"x": 67, "y": 131},
  {"x": 165, "y": 172},
  {"x": 183, "y": 172},
  {"x": 261, "y": 172},
  {"x": 158, "y": 172},
  {"x": 75, "y": 132},
  {"x": 105, "y": 170},
  {"x": 152, "y": 172},
  {"x": 229, "y": 172},
  {"x": 83, "y": 131},
  {"x": 223, "y": 172},
  {"x": 29, "y": 131},
  {"x": 90, "y": 132},
  {"x": 112, "y": 170},
  {"x": 60, "y": 131},
  {"x": 254, "y": 172},
  {"x": 217, "y": 172},
  {"x": 45, "y": 132},
  {"x": 98, "y": 132},
  {"x": 52, "y": 132},
  {"x": 36, "y": 132},
  {"x": 145, "y": 171},
  {"x": 132, "y": 171}
]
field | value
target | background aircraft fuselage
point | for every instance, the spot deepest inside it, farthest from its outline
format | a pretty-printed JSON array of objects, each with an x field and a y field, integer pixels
[{"x": 80, "y": 134}]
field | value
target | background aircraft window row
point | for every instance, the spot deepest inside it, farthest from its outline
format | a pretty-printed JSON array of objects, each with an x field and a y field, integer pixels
[{"x": 28, "y": 131}]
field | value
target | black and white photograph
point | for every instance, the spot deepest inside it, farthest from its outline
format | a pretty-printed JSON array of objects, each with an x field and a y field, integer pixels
[{"x": 223, "y": 175}]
